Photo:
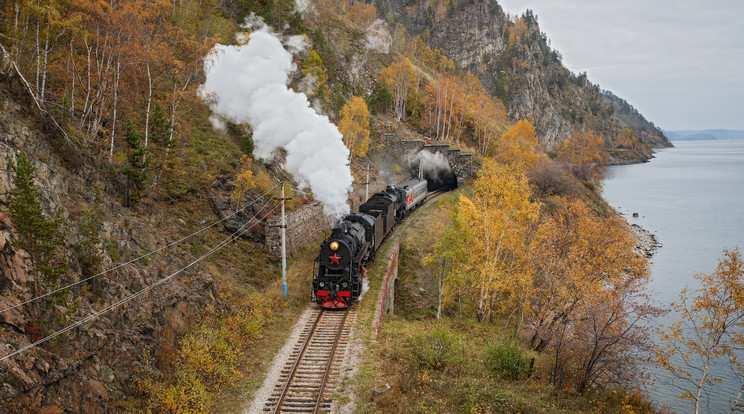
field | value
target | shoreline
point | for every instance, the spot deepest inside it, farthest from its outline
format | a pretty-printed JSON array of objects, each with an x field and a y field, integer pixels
[{"x": 646, "y": 242}]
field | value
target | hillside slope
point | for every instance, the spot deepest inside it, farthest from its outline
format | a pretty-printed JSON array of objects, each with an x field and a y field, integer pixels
[{"x": 513, "y": 59}]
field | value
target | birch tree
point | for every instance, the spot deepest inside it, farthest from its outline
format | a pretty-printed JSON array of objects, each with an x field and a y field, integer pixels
[
  {"x": 499, "y": 217},
  {"x": 401, "y": 79},
  {"x": 710, "y": 331}
]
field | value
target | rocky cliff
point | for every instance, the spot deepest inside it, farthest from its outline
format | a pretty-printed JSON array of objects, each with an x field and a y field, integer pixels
[
  {"x": 513, "y": 59},
  {"x": 91, "y": 368}
]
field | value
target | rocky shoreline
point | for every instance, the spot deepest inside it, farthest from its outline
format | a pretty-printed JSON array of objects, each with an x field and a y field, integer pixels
[{"x": 646, "y": 243}]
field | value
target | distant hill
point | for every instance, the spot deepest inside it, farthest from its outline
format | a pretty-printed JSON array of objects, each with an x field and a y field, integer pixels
[
  {"x": 704, "y": 134},
  {"x": 513, "y": 59}
]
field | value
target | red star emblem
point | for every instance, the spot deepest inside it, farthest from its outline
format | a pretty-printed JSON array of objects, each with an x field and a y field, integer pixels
[{"x": 335, "y": 258}]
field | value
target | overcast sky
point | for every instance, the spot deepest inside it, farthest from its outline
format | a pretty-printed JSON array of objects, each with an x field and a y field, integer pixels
[{"x": 680, "y": 63}]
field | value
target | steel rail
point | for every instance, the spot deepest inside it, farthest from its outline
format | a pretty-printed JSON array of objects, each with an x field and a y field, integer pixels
[
  {"x": 283, "y": 394},
  {"x": 330, "y": 360}
]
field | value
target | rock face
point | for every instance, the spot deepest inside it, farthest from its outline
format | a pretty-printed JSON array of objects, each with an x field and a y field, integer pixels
[
  {"x": 518, "y": 66},
  {"x": 90, "y": 367}
]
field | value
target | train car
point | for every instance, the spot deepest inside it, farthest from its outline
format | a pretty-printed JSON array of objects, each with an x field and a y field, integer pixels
[
  {"x": 415, "y": 193},
  {"x": 383, "y": 207},
  {"x": 340, "y": 266}
]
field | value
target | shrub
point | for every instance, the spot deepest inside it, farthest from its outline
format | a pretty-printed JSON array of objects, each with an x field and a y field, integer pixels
[
  {"x": 506, "y": 360},
  {"x": 436, "y": 349}
]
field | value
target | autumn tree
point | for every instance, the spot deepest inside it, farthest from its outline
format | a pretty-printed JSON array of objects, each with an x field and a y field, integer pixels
[
  {"x": 445, "y": 100},
  {"x": 87, "y": 62},
  {"x": 243, "y": 182},
  {"x": 499, "y": 217},
  {"x": 710, "y": 331},
  {"x": 401, "y": 79},
  {"x": 585, "y": 155},
  {"x": 518, "y": 146},
  {"x": 448, "y": 256},
  {"x": 354, "y": 126},
  {"x": 42, "y": 238},
  {"x": 313, "y": 69},
  {"x": 588, "y": 297}
]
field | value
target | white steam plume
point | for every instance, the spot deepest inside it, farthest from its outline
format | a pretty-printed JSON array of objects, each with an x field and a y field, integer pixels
[
  {"x": 433, "y": 164},
  {"x": 248, "y": 84}
]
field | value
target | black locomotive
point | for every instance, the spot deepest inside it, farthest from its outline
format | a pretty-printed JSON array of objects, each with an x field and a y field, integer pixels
[{"x": 355, "y": 239}]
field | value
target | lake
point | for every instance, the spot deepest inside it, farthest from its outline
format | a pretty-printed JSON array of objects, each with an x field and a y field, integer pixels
[{"x": 691, "y": 198}]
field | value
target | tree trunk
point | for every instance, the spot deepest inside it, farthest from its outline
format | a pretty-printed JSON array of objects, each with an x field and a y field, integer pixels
[
  {"x": 735, "y": 405},
  {"x": 700, "y": 386},
  {"x": 149, "y": 102},
  {"x": 38, "y": 55},
  {"x": 72, "y": 92},
  {"x": 44, "y": 70},
  {"x": 116, "y": 99},
  {"x": 84, "y": 112}
]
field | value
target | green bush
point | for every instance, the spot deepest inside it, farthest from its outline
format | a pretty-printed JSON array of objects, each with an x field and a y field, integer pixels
[
  {"x": 436, "y": 348},
  {"x": 506, "y": 359}
]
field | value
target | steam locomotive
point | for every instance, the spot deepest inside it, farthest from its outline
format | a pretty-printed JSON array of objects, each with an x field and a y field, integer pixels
[{"x": 340, "y": 266}]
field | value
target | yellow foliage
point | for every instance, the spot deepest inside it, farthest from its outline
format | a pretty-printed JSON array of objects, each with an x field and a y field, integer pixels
[
  {"x": 243, "y": 181},
  {"x": 585, "y": 155},
  {"x": 401, "y": 79},
  {"x": 517, "y": 31},
  {"x": 207, "y": 359},
  {"x": 354, "y": 126},
  {"x": 263, "y": 182},
  {"x": 519, "y": 147},
  {"x": 499, "y": 218},
  {"x": 710, "y": 330}
]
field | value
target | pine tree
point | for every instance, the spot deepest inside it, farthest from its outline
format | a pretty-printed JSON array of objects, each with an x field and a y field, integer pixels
[
  {"x": 160, "y": 126},
  {"x": 43, "y": 239},
  {"x": 138, "y": 159}
]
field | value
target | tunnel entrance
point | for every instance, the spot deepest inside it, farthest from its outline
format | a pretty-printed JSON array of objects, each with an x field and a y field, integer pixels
[
  {"x": 436, "y": 169},
  {"x": 441, "y": 179}
]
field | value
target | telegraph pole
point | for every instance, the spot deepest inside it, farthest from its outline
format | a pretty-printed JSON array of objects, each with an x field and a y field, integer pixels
[
  {"x": 284, "y": 241},
  {"x": 367, "y": 187},
  {"x": 284, "y": 246}
]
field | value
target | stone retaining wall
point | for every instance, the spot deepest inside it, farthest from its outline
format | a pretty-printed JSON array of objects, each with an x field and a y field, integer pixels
[{"x": 303, "y": 226}]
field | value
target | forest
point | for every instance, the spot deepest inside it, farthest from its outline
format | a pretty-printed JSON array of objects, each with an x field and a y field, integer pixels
[{"x": 530, "y": 282}]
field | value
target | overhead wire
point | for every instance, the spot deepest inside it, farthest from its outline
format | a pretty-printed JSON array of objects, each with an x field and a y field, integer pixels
[
  {"x": 138, "y": 258},
  {"x": 134, "y": 295}
]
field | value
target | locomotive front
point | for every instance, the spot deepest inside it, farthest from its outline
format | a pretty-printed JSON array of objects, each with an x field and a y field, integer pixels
[{"x": 335, "y": 285}]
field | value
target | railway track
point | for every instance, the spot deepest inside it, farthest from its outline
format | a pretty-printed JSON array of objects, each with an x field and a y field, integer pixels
[{"x": 311, "y": 373}]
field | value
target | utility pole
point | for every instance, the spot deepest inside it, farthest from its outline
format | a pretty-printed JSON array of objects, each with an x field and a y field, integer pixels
[
  {"x": 284, "y": 246},
  {"x": 367, "y": 187},
  {"x": 284, "y": 241}
]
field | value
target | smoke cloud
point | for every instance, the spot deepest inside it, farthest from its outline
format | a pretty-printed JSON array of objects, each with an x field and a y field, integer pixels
[
  {"x": 433, "y": 164},
  {"x": 248, "y": 84}
]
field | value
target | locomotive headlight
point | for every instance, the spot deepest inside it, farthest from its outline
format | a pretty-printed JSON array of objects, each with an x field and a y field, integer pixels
[
  {"x": 321, "y": 284},
  {"x": 343, "y": 284},
  {"x": 334, "y": 245}
]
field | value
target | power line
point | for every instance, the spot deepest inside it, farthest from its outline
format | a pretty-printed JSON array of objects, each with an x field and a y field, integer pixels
[
  {"x": 138, "y": 258},
  {"x": 132, "y": 296}
]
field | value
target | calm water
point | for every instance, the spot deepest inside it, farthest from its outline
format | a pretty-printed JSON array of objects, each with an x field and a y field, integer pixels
[{"x": 691, "y": 197}]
